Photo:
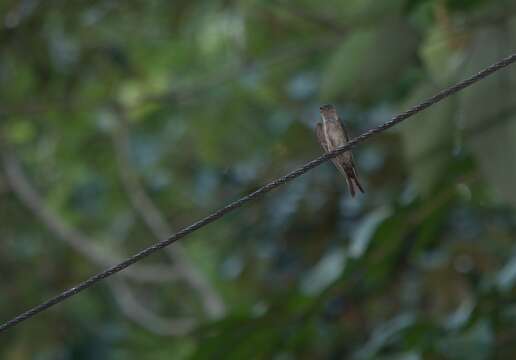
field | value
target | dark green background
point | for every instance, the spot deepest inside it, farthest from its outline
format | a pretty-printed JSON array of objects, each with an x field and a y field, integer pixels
[{"x": 123, "y": 121}]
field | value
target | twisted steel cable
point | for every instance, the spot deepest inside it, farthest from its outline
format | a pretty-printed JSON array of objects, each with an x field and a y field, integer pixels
[{"x": 261, "y": 191}]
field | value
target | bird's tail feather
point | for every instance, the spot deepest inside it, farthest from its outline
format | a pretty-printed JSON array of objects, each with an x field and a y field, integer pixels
[
  {"x": 351, "y": 177},
  {"x": 351, "y": 187},
  {"x": 352, "y": 180}
]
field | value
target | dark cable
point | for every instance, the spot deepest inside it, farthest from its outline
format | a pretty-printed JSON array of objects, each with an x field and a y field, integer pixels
[{"x": 264, "y": 189}]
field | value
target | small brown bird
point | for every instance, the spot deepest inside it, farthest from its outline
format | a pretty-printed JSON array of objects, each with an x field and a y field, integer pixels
[{"x": 332, "y": 135}]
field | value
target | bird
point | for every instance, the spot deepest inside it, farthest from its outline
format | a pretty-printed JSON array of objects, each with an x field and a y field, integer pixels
[{"x": 332, "y": 134}]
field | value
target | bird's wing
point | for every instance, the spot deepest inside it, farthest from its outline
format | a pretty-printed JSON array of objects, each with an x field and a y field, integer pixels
[
  {"x": 322, "y": 140},
  {"x": 320, "y": 136},
  {"x": 346, "y": 135},
  {"x": 344, "y": 129}
]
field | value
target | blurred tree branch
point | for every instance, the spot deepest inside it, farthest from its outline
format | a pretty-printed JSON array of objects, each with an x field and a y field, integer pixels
[
  {"x": 122, "y": 292},
  {"x": 21, "y": 186},
  {"x": 155, "y": 221},
  {"x": 140, "y": 314},
  {"x": 322, "y": 21}
]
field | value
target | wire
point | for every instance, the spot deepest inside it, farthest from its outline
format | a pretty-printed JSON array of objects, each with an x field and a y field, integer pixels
[{"x": 261, "y": 191}]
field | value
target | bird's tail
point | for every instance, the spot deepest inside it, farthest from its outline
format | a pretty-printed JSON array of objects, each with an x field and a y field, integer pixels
[{"x": 352, "y": 180}]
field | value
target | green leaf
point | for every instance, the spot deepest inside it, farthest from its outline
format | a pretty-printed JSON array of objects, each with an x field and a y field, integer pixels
[{"x": 21, "y": 131}]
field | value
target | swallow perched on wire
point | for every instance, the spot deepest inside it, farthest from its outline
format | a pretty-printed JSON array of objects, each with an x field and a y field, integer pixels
[{"x": 332, "y": 135}]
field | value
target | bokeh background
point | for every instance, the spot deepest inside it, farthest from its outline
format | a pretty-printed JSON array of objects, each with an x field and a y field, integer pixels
[{"x": 123, "y": 121}]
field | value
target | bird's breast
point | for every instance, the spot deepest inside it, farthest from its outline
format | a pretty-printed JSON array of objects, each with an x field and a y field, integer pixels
[{"x": 334, "y": 134}]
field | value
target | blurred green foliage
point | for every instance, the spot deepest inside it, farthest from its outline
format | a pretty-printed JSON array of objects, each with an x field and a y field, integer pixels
[{"x": 121, "y": 121}]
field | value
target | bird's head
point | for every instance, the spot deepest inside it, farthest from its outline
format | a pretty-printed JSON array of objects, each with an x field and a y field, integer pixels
[{"x": 328, "y": 111}]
